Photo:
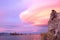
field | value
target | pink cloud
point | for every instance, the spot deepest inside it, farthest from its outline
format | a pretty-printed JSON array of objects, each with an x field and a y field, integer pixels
[
  {"x": 2, "y": 29},
  {"x": 38, "y": 14}
]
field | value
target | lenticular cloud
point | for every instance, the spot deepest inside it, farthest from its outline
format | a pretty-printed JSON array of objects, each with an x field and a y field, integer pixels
[{"x": 39, "y": 14}]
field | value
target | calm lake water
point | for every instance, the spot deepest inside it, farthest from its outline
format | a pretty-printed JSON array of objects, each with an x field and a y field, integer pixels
[
  {"x": 21, "y": 37},
  {"x": 24, "y": 37}
]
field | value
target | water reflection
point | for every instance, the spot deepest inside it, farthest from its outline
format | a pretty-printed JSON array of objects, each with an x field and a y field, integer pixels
[{"x": 21, "y": 37}]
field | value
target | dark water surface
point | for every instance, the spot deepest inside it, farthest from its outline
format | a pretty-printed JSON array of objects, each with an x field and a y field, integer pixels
[{"x": 21, "y": 37}]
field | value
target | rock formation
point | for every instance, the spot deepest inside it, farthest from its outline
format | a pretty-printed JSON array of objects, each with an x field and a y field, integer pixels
[{"x": 54, "y": 26}]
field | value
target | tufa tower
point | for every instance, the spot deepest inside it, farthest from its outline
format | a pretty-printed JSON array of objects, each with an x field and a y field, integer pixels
[{"x": 54, "y": 26}]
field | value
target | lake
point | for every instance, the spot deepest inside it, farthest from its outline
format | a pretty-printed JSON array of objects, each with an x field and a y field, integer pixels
[{"x": 21, "y": 37}]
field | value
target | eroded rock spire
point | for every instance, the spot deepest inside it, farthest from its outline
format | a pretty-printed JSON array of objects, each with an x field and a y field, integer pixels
[{"x": 54, "y": 26}]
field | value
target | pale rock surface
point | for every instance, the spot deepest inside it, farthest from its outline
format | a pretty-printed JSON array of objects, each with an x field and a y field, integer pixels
[{"x": 54, "y": 26}]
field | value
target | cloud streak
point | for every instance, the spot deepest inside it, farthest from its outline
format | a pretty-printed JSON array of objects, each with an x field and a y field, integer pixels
[{"x": 38, "y": 14}]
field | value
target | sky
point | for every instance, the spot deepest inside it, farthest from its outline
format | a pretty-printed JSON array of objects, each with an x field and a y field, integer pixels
[{"x": 26, "y": 16}]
